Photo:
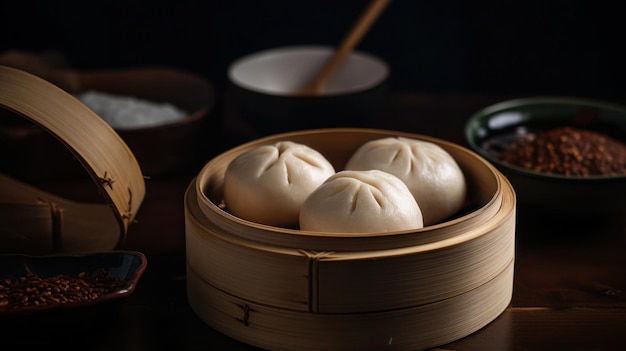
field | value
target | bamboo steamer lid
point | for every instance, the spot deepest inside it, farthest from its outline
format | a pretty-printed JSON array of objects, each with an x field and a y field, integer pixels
[
  {"x": 285, "y": 289},
  {"x": 35, "y": 221}
]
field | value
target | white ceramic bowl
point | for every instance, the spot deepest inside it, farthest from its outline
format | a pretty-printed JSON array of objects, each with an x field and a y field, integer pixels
[
  {"x": 265, "y": 88},
  {"x": 283, "y": 71}
]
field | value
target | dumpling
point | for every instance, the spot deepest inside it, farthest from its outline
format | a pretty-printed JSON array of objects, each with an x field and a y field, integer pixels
[
  {"x": 269, "y": 183},
  {"x": 361, "y": 202},
  {"x": 430, "y": 172}
]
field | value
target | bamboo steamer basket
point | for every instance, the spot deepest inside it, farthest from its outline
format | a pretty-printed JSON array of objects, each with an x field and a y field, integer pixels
[
  {"x": 35, "y": 221},
  {"x": 286, "y": 289}
]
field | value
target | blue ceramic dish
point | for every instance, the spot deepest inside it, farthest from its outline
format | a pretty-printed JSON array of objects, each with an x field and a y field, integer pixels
[{"x": 127, "y": 266}]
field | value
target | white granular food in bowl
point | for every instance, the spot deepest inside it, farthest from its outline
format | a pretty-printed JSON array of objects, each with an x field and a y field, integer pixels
[{"x": 128, "y": 112}]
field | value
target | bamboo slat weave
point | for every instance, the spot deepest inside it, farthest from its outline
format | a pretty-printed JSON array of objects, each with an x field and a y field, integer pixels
[{"x": 104, "y": 155}]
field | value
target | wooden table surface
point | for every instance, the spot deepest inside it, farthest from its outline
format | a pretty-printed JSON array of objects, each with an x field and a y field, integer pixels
[{"x": 569, "y": 286}]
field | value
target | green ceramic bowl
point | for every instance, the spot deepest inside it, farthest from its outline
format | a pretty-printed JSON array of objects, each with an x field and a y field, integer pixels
[{"x": 490, "y": 131}]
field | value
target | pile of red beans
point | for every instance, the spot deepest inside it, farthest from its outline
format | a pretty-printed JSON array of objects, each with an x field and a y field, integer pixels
[
  {"x": 33, "y": 290},
  {"x": 568, "y": 151}
]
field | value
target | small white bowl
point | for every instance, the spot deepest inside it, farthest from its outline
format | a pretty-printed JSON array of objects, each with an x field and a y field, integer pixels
[
  {"x": 284, "y": 71},
  {"x": 266, "y": 85}
]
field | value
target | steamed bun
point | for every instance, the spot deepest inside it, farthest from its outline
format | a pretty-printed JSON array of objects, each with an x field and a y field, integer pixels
[
  {"x": 361, "y": 202},
  {"x": 269, "y": 183},
  {"x": 433, "y": 176}
]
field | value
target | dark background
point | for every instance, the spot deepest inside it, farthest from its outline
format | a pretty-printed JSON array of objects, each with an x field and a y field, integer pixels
[{"x": 448, "y": 46}]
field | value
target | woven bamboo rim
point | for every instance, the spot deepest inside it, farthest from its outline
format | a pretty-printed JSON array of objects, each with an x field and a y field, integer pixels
[
  {"x": 306, "y": 282},
  {"x": 479, "y": 172},
  {"x": 104, "y": 155}
]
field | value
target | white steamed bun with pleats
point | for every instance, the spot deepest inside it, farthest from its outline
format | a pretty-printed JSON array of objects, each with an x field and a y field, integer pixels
[
  {"x": 361, "y": 202},
  {"x": 269, "y": 183},
  {"x": 430, "y": 172}
]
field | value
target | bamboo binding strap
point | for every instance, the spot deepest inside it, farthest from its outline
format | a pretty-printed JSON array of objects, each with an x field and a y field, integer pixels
[{"x": 33, "y": 220}]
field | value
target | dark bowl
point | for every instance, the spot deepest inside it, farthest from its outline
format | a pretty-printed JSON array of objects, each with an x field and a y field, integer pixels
[
  {"x": 124, "y": 268},
  {"x": 491, "y": 131},
  {"x": 31, "y": 153}
]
